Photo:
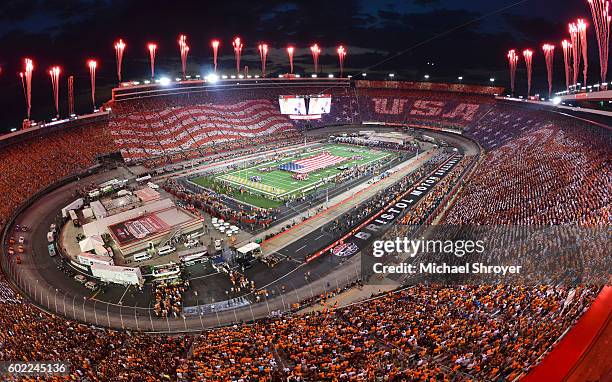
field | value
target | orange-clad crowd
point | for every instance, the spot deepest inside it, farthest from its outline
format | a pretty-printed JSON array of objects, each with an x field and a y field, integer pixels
[
  {"x": 33, "y": 164},
  {"x": 422, "y": 333}
]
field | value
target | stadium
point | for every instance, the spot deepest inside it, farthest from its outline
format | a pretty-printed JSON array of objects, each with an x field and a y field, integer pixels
[{"x": 247, "y": 227}]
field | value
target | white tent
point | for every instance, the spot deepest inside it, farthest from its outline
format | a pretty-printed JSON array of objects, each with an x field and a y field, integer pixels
[
  {"x": 93, "y": 243},
  {"x": 98, "y": 209},
  {"x": 72, "y": 206},
  {"x": 88, "y": 213},
  {"x": 250, "y": 248}
]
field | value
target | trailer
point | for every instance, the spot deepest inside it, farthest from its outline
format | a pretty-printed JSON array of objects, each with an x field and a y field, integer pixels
[
  {"x": 90, "y": 259},
  {"x": 117, "y": 275}
]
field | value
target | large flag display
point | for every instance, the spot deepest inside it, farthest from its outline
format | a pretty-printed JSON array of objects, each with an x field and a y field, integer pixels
[{"x": 310, "y": 164}]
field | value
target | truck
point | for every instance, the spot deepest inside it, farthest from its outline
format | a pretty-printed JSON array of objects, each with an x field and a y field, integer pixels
[
  {"x": 118, "y": 275},
  {"x": 90, "y": 259}
]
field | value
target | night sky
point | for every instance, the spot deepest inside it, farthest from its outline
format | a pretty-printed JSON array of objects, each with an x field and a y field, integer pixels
[{"x": 442, "y": 38}]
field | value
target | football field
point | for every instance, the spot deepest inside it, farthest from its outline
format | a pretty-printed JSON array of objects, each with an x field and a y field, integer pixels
[{"x": 279, "y": 184}]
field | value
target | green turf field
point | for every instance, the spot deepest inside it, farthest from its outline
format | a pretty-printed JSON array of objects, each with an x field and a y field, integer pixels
[{"x": 279, "y": 183}]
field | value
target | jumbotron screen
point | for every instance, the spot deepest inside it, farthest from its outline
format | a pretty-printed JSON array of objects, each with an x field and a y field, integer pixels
[
  {"x": 292, "y": 105},
  {"x": 320, "y": 104},
  {"x": 305, "y": 106}
]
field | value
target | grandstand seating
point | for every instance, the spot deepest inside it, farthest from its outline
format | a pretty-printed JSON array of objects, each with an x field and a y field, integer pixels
[
  {"x": 540, "y": 169},
  {"x": 558, "y": 174},
  {"x": 505, "y": 121},
  {"x": 34, "y": 164},
  {"x": 171, "y": 130},
  {"x": 410, "y": 107}
]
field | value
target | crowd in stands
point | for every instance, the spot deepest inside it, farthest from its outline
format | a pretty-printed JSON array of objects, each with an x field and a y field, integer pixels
[
  {"x": 32, "y": 165},
  {"x": 174, "y": 130},
  {"x": 423, "y": 209},
  {"x": 421, "y": 333},
  {"x": 168, "y": 299},
  {"x": 450, "y": 110},
  {"x": 94, "y": 354},
  {"x": 558, "y": 173},
  {"x": 506, "y": 121},
  {"x": 549, "y": 176}
]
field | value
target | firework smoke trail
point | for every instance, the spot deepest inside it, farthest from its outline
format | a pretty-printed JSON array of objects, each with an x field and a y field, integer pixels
[
  {"x": 263, "y": 54},
  {"x": 290, "y": 51},
  {"x": 528, "y": 55},
  {"x": 23, "y": 87},
  {"x": 341, "y": 55},
  {"x": 70, "y": 95},
  {"x": 152, "y": 49},
  {"x": 237, "y": 44},
  {"x": 549, "y": 55},
  {"x": 184, "y": 52},
  {"x": 119, "y": 48},
  {"x": 582, "y": 27},
  {"x": 512, "y": 61},
  {"x": 215, "y": 47},
  {"x": 315, "y": 51},
  {"x": 567, "y": 58},
  {"x": 92, "y": 64},
  {"x": 600, "y": 9},
  {"x": 54, "y": 72},
  {"x": 576, "y": 52},
  {"x": 26, "y": 83}
]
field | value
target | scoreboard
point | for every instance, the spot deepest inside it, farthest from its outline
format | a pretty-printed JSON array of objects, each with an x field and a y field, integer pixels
[{"x": 305, "y": 106}]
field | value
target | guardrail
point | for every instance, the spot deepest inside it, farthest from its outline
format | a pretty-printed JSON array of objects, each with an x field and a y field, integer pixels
[{"x": 49, "y": 298}]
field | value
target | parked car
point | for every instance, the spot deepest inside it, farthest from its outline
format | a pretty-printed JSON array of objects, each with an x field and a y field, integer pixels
[
  {"x": 91, "y": 285},
  {"x": 81, "y": 279},
  {"x": 18, "y": 260},
  {"x": 20, "y": 249},
  {"x": 21, "y": 239},
  {"x": 11, "y": 251},
  {"x": 191, "y": 243}
]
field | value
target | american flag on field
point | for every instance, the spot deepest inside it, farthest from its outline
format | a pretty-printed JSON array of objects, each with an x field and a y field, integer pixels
[{"x": 310, "y": 164}]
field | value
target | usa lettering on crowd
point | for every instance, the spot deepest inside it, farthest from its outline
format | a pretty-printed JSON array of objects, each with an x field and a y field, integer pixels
[{"x": 423, "y": 108}]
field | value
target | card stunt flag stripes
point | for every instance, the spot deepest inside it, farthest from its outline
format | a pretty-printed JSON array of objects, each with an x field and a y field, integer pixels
[{"x": 314, "y": 163}]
